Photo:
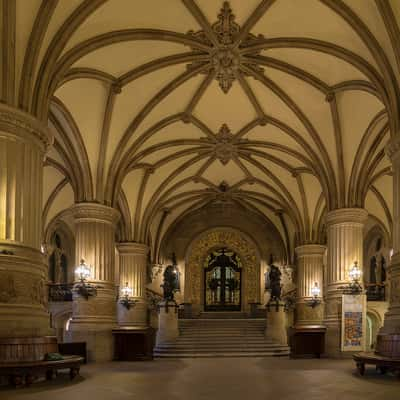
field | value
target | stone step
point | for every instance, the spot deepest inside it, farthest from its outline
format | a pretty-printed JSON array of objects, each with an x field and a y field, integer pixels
[
  {"x": 223, "y": 333},
  {"x": 221, "y": 351},
  {"x": 212, "y": 339},
  {"x": 226, "y": 354},
  {"x": 222, "y": 315},
  {"x": 221, "y": 337},
  {"x": 171, "y": 346},
  {"x": 221, "y": 321}
]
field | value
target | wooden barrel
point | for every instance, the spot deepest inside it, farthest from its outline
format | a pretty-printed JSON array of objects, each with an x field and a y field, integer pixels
[
  {"x": 388, "y": 345},
  {"x": 26, "y": 349}
]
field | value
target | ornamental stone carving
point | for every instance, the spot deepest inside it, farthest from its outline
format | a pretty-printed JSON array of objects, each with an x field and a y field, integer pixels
[
  {"x": 94, "y": 212},
  {"x": 225, "y": 148},
  {"x": 25, "y": 126},
  {"x": 225, "y": 60},
  {"x": 18, "y": 288},
  {"x": 235, "y": 241},
  {"x": 395, "y": 290},
  {"x": 392, "y": 149},
  {"x": 306, "y": 313},
  {"x": 7, "y": 288}
]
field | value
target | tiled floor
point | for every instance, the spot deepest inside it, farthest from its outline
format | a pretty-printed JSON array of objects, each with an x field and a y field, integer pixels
[{"x": 224, "y": 378}]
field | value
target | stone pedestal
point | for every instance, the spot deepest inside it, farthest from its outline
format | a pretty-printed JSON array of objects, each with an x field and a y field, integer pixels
[
  {"x": 276, "y": 323},
  {"x": 345, "y": 245},
  {"x": 94, "y": 318},
  {"x": 23, "y": 272},
  {"x": 309, "y": 272},
  {"x": 167, "y": 323},
  {"x": 132, "y": 270},
  {"x": 388, "y": 341}
]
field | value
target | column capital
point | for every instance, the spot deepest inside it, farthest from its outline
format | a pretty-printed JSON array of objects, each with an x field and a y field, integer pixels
[
  {"x": 94, "y": 212},
  {"x": 346, "y": 215},
  {"x": 132, "y": 248},
  {"x": 20, "y": 124},
  {"x": 310, "y": 250},
  {"x": 392, "y": 148}
]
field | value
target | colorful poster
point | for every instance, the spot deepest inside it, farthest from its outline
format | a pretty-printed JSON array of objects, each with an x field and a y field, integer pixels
[{"x": 353, "y": 322}]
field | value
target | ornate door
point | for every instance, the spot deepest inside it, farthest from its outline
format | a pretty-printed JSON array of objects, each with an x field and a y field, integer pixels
[{"x": 222, "y": 281}]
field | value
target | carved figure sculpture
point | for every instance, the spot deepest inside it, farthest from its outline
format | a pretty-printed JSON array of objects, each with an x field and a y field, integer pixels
[
  {"x": 275, "y": 281},
  {"x": 171, "y": 280},
  {"x": 378, "y": 265}
]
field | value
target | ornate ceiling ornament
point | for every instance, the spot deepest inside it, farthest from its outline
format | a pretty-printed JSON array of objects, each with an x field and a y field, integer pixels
[
  {"x": 225, "y": 60},
  {"x": 225, "y": 148}
]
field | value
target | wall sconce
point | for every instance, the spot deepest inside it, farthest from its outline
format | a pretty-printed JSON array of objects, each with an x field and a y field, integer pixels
[
  {"x": 354, "y": 287},
  {"x": 316, "y": 299},
  {"x": 82, "y": 288},
  {"x": 126, "y": 297}
]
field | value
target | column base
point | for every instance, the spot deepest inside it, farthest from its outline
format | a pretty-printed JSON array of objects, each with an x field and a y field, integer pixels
[
  {"x": 99, "y": 340},
  {"x": 136, "y": 316},
  {"x": 276, "y": 323},
  {"x": 23, "y": 297},
  {"x": 167, "y": 322},
  {"x": 309, "y": 316},
  {"x": 92, "y": 322},
  {"x": 333, "y": 339},
  {"x": 388, "y": 345}
]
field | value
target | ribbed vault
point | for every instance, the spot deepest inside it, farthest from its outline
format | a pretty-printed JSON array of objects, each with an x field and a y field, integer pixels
[{"x": 281, "y": 107}]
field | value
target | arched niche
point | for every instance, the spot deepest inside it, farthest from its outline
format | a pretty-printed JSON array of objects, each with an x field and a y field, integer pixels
[
  {"x": 376, "y": 250},
  {"x": 197, "y": 253},
  {"x": 60, "y": 250}
]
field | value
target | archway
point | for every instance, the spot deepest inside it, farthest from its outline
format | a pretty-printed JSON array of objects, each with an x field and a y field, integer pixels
[{"x": 196, "y": 262}]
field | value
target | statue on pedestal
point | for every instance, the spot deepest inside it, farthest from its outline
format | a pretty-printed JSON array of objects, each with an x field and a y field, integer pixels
[
  {"x": 170, "y": 283},
  {"x": 275, "y": 281}
]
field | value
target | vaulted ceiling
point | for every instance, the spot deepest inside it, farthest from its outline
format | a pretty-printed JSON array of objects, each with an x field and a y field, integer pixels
[{"x": 161, "y": 107}]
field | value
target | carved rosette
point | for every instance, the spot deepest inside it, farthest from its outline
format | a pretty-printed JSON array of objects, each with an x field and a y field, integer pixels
[
  {"x": 225, "y": 61},
  {"x": 199, "y": 250}
]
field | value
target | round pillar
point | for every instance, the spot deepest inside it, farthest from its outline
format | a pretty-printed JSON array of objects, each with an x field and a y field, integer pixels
[
  {"x": 94, "y": 318},
  {"x": 133, "y": 270},
  {"x": 23, "y": 271},
  {"x": 309, "y": 271},
  {"x": 388, "y": 342},
  {"x": 345, "y": 245}
]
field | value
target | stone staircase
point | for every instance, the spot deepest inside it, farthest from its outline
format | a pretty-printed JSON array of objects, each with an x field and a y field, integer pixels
[{"x": 226, "y": 337}]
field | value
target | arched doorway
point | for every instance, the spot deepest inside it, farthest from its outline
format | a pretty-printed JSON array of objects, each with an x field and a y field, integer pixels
[
  {"x": 222, "y": 281},
  {"x": 210, "y": 244}
]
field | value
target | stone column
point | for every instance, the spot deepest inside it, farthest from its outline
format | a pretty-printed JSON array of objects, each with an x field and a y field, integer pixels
[
  {"x": 93, "y": 319},
  {"x": 133, "y": 270},
  {"x": 345, "y": 245},
  {"x": 388, "y": 342},
  {"x": 23, "y": 271},
  {"x": 309, "y": 271}
]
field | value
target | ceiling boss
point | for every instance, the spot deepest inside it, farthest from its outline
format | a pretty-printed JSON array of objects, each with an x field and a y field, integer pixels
[{"x": 225, "y": 61}]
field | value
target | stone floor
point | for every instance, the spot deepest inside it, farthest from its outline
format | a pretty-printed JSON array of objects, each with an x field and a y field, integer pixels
[{"x": 213, "y": 378}]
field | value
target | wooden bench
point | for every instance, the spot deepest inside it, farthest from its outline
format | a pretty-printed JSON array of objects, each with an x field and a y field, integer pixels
[
  {"x": 382, "y": 364},
  {"x": 29, "y": 370}
]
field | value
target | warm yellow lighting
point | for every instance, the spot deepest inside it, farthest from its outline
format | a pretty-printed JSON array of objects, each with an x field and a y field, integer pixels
[
  {"x": 355, "y": 272},
  {"x": 315, "y": 290},
  {"x": 83, "y": 271}
]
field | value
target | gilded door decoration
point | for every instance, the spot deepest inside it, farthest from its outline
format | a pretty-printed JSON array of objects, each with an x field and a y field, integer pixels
[{"x": 213, "y": 241}]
